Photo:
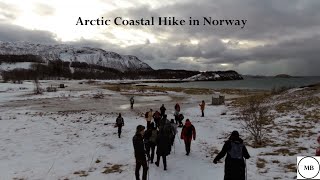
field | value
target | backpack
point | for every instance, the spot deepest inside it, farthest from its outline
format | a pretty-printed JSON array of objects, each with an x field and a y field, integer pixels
[
  {"x": 119, "y": 121},
  {"x": 189, "y": 131},
  {"x": 181, "y": 117},
  {"x": 236, "y": 150},
  {"x": 168, "y": 130},
  {"x": 146, "y": 115},
  {"x": 153, "y": 137}
]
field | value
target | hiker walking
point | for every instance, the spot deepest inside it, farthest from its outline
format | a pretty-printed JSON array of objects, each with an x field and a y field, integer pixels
[
  {"x": 157, "y": 118},
  {"x": 140, "y": 153},
  {"x": 163, "y": 121},
  {"x": 119, "y": 124},
  {"x": 132, "y": 102},
  {"x": 180, "y": 118},
  {"x": 148, "y": 117},
  {"x": 176, "y": 117},
  {"x": 162, "y": 110},
  {"x": 150, "y": 138},
  {"x": 177, "y": 108},
  {"x": 236, "y": 152},
  {"x": 318, "y": 149},
  {"x": 188, "y": 132},
  {"x": 163, "y": 148},
  {"x": 202, "y": 106},
  {"x": 175, "y": 131}
]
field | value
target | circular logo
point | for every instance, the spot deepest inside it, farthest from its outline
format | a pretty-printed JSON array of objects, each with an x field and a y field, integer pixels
[{"x": 308, "y": 167}]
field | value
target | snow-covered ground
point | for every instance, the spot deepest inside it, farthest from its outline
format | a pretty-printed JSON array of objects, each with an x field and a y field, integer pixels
[{"x": 69, "y": 134}]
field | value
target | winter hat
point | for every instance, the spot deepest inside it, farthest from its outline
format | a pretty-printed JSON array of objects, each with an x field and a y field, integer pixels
[
  {"x": 172, "y": 121},
  {"x": 187, "y": 120},
  {"x": 235, "y": 134},
  {"x": 140, "y": 128}
]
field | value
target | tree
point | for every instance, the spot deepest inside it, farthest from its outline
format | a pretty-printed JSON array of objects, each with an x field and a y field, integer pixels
[
  {"x": 36, "y": 69},
  {"x": 255, "y": 118}
]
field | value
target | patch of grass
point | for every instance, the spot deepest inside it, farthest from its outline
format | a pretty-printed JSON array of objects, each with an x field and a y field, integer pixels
[
  {"x": 261, "y": 163},
  {"x": 285, "y": 151},
  {"x": 275, "y": 161},
  {"x": 310, "y": 133},
  {"x": 81, "y": 173},
  {"x": 212, "y": 152},
  {"x": 302, "y": 149},
  {"x": 285, "y": 107},
  {"x": 295, "y": 133},
  {"x": 245, "y": 100},
  {"x": 311, "y": 101},
  {"x": 312, "y": 115},
  {"x": 299, "y": 127},
  {"x": 126, "y": 88},
  {"x": 197, "y": 91},
  {"x": 290, "y": 168},
  {"x": 243, "y": 92},
  {"x": 113, "y": 169},
  {"x": 269, "y": 154},
  {"x": 279, "y": 90}
]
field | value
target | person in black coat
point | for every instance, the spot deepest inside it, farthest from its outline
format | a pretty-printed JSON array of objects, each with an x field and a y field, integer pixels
[
  {"x": 150, "y": 140},
  {"x": 140, "y": 153},
  {"x": 163, "y": 110},
  {"x": 119, "y": 124},
  {"x": 236, "y": 151},
  {"x": 163, "y": 148}
]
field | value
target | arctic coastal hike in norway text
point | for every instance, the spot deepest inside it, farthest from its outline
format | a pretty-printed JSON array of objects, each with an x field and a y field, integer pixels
[{"x": 165, "y": 21}]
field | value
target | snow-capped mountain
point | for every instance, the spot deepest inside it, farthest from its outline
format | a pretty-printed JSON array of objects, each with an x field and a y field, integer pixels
[{"x": 68, "y": 53}]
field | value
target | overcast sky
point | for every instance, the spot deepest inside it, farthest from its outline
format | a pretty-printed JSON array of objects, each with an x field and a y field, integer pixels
[{"x": 280, "y": 36}]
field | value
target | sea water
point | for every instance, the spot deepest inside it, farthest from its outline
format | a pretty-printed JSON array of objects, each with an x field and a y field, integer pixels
[{"x": 267, "y": 83}]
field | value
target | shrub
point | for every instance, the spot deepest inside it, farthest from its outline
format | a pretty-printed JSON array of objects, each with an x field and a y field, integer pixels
[{"x": 254, "y": 118}]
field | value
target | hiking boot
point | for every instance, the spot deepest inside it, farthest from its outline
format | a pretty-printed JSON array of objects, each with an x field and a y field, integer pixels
[
  {"x": 157, "y": 163},
  {"x": 165, "y": 169},
  {"x": 187, "y": 154}
]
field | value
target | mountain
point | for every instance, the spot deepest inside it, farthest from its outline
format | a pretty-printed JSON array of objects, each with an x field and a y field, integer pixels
[
  {"x": 283, "y": 76},
  {"x": 24, "y": 60},
  {"x": 215, "y": 76},
  {"x": 74, "y": 55}
]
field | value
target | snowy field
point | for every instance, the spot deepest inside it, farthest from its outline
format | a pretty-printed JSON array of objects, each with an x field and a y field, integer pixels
[{"x": 69, "y": 135}]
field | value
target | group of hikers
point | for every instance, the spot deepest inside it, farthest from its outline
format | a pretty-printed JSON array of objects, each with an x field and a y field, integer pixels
[{"x": 158, "y": 137}]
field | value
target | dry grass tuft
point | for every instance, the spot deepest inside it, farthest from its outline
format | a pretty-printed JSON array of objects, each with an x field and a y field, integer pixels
[
  {"x": 290, "y": 168},
  {"x": 113, "y": 169},
  {"x": 81, "y": 173},
  {"x": 261, "y": 163}
]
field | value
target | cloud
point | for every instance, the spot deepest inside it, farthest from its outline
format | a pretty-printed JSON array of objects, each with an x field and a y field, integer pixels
[
  {"x": 7, "y": 12},
  {"x": 13, "y": 33},
  {"x": 43, "y": 9},
  {"x": 280, "y": 34}
]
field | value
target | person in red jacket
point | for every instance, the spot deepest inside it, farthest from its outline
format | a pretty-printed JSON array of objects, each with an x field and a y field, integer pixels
[
  {"x": 188, "y": 132},
  {"x": 318, "y": 149}
]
